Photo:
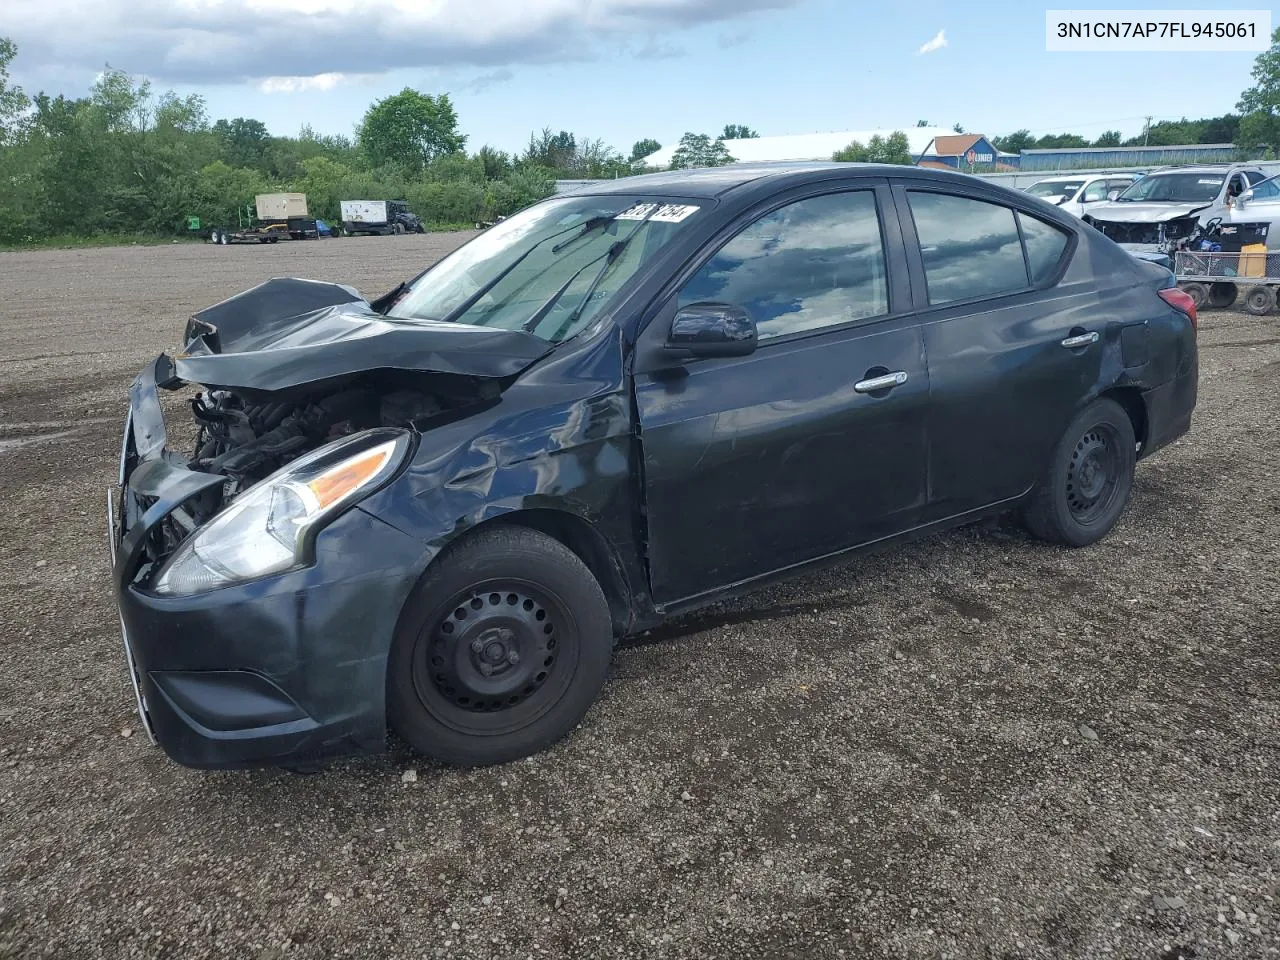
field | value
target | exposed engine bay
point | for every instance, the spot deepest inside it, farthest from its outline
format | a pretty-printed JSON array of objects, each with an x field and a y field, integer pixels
[{"x": 1165, "y": 235}]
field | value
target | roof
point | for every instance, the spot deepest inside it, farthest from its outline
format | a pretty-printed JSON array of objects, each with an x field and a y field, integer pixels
[
  {"x": 804, "y": 146},
  {"x": 711, "y": 182},
  {"x": 935, "y": 165},
  {"x": 1139, "y": 149},
  {"x": 954, "y": 146}
]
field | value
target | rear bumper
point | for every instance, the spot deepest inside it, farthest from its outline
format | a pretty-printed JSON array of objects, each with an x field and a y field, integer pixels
[
  {"x": 1169, "y": 409},
  {"x": 289, "y": 668}
]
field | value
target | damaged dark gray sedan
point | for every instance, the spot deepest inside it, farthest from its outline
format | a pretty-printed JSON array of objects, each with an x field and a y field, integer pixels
[{"x": 438, "y": 510}]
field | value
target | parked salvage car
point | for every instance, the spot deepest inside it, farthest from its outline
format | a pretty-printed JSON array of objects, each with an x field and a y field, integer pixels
[
  {"x": 1081, "y": 193},
  {"x": 1167, "y": 206},
  {"x": 1259, "y": 205},
  {"x": 439, "y": 509}
]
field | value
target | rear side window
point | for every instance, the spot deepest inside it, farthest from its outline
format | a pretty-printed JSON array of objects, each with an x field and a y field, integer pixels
[
  {"x": 1045, "y": 246},
  {"x": 970, "y": 248}
]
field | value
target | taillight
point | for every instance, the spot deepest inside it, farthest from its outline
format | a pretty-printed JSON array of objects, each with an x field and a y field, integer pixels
[{"x": 1181, "y": 300}]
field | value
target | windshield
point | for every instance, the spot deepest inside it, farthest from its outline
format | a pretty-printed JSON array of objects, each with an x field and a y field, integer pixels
[
  {"x": 1175, "y": 188},
  {"x": 549, "y": 268},
  {"x": 1055, "y": 188}
]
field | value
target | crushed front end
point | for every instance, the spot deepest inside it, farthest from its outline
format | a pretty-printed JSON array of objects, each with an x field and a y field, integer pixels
[{"x": 232, "y": 668}]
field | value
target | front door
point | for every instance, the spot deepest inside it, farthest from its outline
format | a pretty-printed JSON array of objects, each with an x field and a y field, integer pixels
[{"x": 816, "y": 441}]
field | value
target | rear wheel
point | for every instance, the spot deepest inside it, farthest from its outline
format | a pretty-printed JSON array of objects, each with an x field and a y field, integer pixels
[
  {"x": 1086, "y": 487},
  {"x": 223, "y": 238},
  {"x": 398, "y": 229},
  {"x": 1260, "y": 300},
  {"x": 501, "y": 650},
  {"x": 1222, "y": 295}
]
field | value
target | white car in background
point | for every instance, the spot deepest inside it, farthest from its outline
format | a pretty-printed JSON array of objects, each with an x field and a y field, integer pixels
[
  {"x": 1260, "y": 204},
  {"x": 1077, "y": 194}
]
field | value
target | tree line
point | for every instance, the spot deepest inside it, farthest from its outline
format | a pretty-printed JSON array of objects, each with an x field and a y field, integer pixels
[{"x": 127, "y": 160}]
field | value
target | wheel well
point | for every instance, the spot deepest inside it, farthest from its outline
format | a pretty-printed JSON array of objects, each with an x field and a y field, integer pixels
[
  {"x": 589, "y": 546},
  {"x": 1130, "y": 398}
]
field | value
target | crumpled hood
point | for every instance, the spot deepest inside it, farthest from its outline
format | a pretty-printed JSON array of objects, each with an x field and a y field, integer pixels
[
  {"x": 288, "y": 333},
  {"x": 1132, "y": 212}
]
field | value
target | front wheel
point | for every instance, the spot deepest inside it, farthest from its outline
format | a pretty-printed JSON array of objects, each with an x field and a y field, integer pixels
[
  {"x": 501, "y": 650},
  {"x": 1086, "y": 487}
]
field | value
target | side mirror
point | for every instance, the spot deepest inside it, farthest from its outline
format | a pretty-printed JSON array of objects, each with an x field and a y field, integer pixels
[
  {"x": 1113, "y": 194},
  {"x": 1244, "y": 197},
  {"x": 712, "y": 330}
]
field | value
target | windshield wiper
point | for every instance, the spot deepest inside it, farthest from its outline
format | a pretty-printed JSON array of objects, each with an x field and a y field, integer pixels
[
  {"x": 610, "y": 257},
  {"x": 595, "y": 223}
]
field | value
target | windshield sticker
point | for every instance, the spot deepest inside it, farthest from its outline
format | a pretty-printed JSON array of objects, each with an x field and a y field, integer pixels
[
  {"x": 1210, "y": 182},
  {"x": 661, "y": 213}
]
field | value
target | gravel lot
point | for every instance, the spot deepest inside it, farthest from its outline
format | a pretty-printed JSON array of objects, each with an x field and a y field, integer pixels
[{"x": 971, "y": 747}]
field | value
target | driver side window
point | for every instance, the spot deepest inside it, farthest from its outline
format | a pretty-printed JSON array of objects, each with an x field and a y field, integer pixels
[
  {"x": 814, "y": 263},
  {"x": 1266, "y": 190}
]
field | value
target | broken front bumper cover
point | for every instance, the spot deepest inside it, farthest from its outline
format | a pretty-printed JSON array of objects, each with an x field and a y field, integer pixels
[{"x": 289, "y": 668}]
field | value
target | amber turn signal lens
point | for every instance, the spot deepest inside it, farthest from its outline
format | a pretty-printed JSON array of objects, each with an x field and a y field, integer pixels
[{"x": 332, "y": 485}]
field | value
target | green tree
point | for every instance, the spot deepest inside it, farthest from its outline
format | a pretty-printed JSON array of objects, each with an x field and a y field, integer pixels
[
  {"x": 1109, "y": 138},
  {"x": 1061, "y": 141},
  {"x": 895, "y": 148},
  {"x": 644, "y": 148},
  {"x": 1015, "y": 142},
  {"x": 496, "y": 163},
  {"x": 956, "y": 128},
  {"x": 738, "y": 131},
  {"x": 922, "y": 123},
  {"x": 1260, "y": 104},
  {"x": 13, "y": 102},
  {"x": 243, "y": 141},
  {"x": 699, "y": 150},
  {"x": 410, "y": 129},
  {"x": 125, "y": 106}
]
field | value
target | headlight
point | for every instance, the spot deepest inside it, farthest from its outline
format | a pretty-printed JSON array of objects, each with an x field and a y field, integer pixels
[{"x": 268, "y": 529}]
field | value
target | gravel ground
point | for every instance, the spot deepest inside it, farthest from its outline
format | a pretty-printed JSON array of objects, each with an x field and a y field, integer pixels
[{"x": 975, "y": 746}]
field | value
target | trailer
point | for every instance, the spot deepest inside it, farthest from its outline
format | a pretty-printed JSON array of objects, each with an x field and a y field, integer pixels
[
  {"x": 279, "y": 216},
  {"x": 379, "y": 216},
  {"x": 1217, "y": 279}
]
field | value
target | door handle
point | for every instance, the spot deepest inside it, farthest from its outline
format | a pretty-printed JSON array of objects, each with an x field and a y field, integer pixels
[
  {"x": 1083, "y": 340},
  {"x": 886, "y": 382}
]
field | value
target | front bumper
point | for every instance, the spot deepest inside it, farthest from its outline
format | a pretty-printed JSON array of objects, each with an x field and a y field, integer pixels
[{"x": 286, "y": 669}]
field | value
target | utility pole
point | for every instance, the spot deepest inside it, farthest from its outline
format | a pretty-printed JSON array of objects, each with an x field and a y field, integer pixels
[{"x": 1146, "y": 132}]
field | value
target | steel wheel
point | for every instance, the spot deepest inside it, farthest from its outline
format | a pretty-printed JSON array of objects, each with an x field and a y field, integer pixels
[
  {"x": 1093, "y": 474},
  {"x": 1260, "y": 300},
  {"x": 502, "y": 648},
  {"x": 490, "y": 663}
]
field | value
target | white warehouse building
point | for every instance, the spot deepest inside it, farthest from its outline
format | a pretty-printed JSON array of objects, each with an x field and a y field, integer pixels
[{"x": 806, "y": 146}]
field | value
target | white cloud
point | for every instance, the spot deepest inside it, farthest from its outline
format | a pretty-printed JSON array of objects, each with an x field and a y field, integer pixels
[
  {"x": 937, "y": 43},
  {"x": 280, "y": 41},
  {"x": 321, "y": 81}
]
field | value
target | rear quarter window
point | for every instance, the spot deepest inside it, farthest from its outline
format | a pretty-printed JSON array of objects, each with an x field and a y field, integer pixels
[{"x": 1045, "y": 246}]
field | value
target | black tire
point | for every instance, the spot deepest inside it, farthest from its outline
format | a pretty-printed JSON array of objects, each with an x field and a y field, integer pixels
[
  {"x": 1198, "y": 293},
  {"x": 1090, "y": 475},
  {"x": 502, "y": 591},
  {"x": 1260, "y": 300},
  {"x": 1222, "y": 295},
  {"x": 398, "y": 229}
]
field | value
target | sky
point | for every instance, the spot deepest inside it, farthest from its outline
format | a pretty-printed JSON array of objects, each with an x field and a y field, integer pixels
[{"x": 622, "y": 70}]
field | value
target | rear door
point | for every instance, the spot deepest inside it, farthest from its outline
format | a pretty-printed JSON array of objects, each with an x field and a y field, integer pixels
[
  {"x": 1012, "y": 352},
  {"x": 816, "y": 441}
]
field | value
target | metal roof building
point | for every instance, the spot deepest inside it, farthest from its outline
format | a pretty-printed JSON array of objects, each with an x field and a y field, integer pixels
[
  {"x": 806, "y": 146},
  {"x": 1074, "y": 158}
]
